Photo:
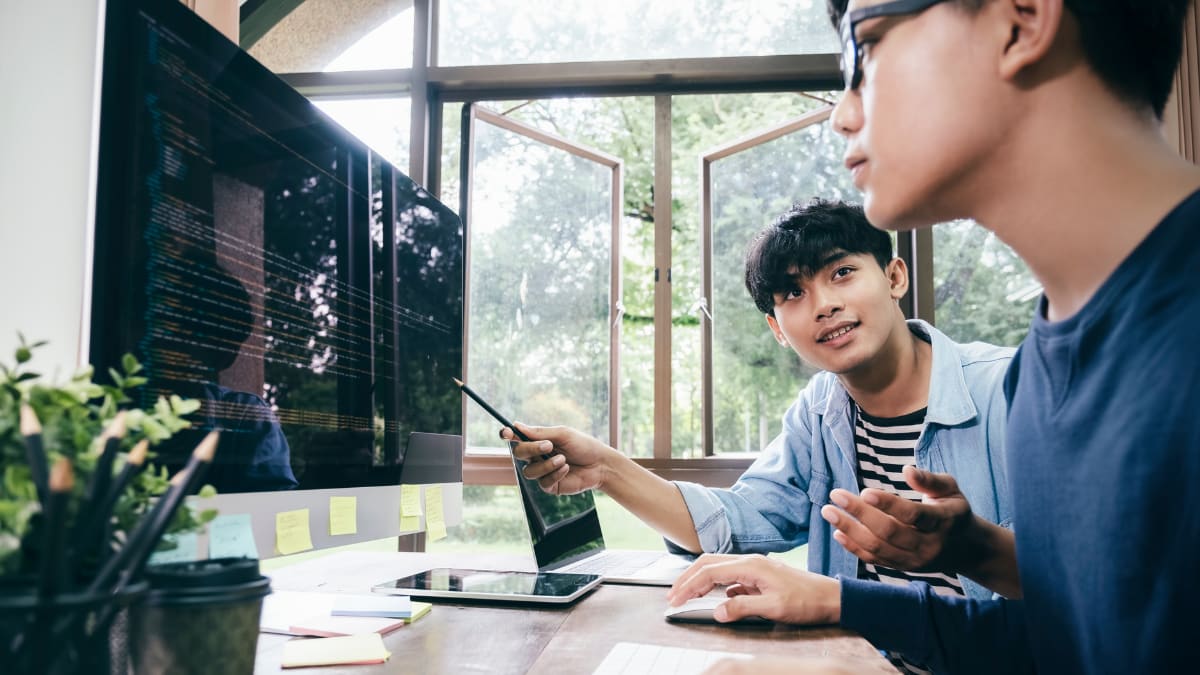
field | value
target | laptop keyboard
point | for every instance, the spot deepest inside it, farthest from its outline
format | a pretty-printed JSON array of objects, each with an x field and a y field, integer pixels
[
  {"x": 631, "y": 658},
  {"x": 614, "y": 564}
]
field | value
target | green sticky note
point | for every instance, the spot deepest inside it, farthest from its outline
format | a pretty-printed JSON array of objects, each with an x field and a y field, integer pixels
[
  {"x": 231, "y": 536},
  {"x": 184, "y": 551},
  {"x": 291, "y": 532},
  {"x": 343, "y": 515},
  {"x": 435, "y": 519}
]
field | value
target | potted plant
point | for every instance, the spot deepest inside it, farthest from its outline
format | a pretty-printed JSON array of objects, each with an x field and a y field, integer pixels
[{"x": 72, "y": 537}]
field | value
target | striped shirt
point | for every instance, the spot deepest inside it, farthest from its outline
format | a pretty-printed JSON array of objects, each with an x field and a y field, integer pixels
[{"x": 884, "y": 446}]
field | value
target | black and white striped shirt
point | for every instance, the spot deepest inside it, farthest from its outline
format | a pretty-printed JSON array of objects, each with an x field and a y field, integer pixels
[{"x": 883, "y": 446}]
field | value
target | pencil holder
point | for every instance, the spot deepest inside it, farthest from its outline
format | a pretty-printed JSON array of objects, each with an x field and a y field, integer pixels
[
  {"x": 199, "y": 617},
  {"x": 61, "y": 634}
]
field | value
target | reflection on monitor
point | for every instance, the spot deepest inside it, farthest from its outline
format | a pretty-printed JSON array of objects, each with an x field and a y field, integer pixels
[{"x": 257, "y": 257}]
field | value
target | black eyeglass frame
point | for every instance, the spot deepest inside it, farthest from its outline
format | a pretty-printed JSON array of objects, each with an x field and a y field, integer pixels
[{"x": 851, "y": 61}]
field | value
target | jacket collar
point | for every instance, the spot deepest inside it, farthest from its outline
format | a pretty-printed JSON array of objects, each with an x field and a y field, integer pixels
[{"x": 950, "y": 400}]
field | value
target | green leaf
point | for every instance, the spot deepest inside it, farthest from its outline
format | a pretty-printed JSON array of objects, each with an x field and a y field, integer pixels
[
  {"x": 116, "y": 377},
  {"x": 135, "y": 381},
  {"x": 23, "y": 354},
  {"x": 207, "y": 491},
  {"x": 130, "y": 364}
]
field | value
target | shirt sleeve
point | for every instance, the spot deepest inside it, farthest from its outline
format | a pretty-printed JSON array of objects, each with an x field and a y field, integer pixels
[
  {"x": 768, "y": 509},
  {"x": 946, "y": 634}
]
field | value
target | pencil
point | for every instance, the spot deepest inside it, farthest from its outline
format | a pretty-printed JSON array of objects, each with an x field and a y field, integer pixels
[
  {"x": 61, "y": 482},
  {"x": 31, "y": 429},
  {"x": 491, "y": 411},
  {"x": 97, "y": 537},
  {"x": 90, "y": 521}
]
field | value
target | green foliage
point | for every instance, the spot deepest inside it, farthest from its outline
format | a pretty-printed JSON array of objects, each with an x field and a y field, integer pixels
[{"x": 72, "y": 416}]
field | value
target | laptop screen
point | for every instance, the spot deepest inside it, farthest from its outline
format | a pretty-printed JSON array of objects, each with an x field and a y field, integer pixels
[{"x": 563, "y": 528}]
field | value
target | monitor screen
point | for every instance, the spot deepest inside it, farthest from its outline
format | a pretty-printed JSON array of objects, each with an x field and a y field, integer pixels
[{"x": 257, "y": 257}]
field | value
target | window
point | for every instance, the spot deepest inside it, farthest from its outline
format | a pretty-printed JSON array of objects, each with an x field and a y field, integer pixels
[{"x": 617, "y": 167}]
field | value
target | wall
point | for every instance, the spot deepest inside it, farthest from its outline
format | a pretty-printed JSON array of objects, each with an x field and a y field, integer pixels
[{"x": 48, "y": 121}]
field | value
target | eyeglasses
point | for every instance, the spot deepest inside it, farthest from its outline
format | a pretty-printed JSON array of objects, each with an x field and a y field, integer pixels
[{"x": 852, "y": 51}]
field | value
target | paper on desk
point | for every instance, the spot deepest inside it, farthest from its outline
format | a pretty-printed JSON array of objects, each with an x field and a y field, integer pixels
[
  {"x": 352, "y": 649},
  {"x": 343, "y": 515},
  {"x": 231, "y": 536},
  {"x": 375, "y": 604},
  {"x": 435, "y": 518},
  {"x": 291, "y": 532}
]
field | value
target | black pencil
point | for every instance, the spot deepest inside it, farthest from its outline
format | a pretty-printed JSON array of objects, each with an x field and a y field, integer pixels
[
  {"x": 50, "y": 580},
  {"x": 90, "y": 522},
  {"x": 31, "y": 429},
  {"x": 491, "y": 411}
]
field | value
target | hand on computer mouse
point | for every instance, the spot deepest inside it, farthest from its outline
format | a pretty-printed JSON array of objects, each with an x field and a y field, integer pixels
[{"x": 700, "y": 610}]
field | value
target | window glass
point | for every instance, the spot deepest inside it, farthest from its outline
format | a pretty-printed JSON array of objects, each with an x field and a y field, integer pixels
[
  {"x": 381, "y": 123},
  {"x": 749, "y": 190},
  {"x": 323, "y": 36},
  {"x": 483, "y": 32},
  {"x": 540, "y": 229},
  {"x": 624, "y": 128},
  {"x": 982, "y": 290}
]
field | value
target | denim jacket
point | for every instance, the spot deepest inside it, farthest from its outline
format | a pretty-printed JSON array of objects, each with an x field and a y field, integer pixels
[{"x": 776, "y": 504}]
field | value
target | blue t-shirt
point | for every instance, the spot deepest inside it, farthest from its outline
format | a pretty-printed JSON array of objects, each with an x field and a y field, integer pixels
[{"x": 1103, "y": 456}]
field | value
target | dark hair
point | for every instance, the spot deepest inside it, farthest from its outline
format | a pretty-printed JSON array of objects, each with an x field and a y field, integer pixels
[
  {"x": 1133, "y": 45},
  {"x": 801, "y": 239}
]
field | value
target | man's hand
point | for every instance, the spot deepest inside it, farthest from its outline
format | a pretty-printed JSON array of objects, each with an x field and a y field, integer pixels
[
  {"x": 938, "y": 534},
  {"x": 561, "y": 459},
  {"x": 762, "y": 587}
]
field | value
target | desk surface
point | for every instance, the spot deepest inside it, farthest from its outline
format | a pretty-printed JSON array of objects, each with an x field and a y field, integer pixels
[{"x": 495, "y": 639}]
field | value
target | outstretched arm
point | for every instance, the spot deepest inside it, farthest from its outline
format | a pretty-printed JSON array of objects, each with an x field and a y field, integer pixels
[{"x": 575, "y": 462}]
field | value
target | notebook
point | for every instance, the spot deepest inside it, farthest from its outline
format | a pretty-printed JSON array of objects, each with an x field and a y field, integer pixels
[
  {"x": 566, "y": 536},
  {"x": 632, "y": 658}
]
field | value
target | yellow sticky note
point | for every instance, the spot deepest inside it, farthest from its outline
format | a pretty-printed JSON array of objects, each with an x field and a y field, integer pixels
[
  {"x": 410, "y": 523},
  {"x": 291, "y": 532},
  {"x": 410, "y": 500},
  {"x": 351, "y": 649},
  {"x": 435, "y": 519},
  {"x": 343, "y": 515}
]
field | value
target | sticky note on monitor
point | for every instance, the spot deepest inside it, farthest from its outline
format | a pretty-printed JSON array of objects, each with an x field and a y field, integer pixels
[
  {"x": 184, "y": 550},
  {"x": 343, "y": 515},
  {"x": 291, "y": 532},
  {"x": 435, "y": 517},
  {"x": 231, "y": 536},
  {"x": 410, "y": 508}
]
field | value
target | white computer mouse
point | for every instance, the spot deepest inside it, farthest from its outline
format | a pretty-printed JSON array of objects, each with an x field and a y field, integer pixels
[{"x": 700, "y": 610}]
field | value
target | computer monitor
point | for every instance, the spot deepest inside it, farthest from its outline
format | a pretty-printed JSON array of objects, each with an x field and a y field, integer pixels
[{"x": 257, "y": 257}]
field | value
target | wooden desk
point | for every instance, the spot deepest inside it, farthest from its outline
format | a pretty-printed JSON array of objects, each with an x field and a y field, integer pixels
[{"x": 575, "y": 639}]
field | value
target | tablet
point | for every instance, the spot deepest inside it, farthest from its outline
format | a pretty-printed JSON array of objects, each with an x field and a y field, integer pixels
[{"x": 463, "y": 584}]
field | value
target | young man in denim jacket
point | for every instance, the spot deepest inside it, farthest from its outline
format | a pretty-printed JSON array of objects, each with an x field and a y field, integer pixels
[{"x": 829, "y": 287}]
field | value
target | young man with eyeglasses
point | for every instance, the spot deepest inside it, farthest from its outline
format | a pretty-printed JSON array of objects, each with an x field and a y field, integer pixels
[{"x": 1040, "y": 119}]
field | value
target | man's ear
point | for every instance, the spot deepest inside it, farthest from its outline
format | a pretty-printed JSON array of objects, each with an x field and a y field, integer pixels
[
  {"x": 897, "y": 275},
  {"x": 779, "y": 336},
  {"x": 1031, "y": 26}
]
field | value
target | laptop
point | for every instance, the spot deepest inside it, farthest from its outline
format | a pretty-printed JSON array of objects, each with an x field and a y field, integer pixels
[{"x": 566, "y": 536}]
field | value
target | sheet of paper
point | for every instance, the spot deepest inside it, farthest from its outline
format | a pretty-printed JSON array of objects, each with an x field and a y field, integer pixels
[
  {"x": 280, "y": 609},
  {"x": 352, "y": 649},
  {"x": 291, "y": 532},
  {"x": 184, "y": 551},
  {"x": 343, "y": 515},
  {"x": 231, "y": 536},
  {"x": 435, "y": 518}
]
